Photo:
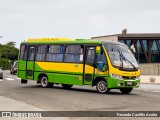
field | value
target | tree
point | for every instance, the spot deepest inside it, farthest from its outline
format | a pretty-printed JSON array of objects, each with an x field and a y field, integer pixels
[
  {"x": 8, "y": 52},
  {"x": 11, "y": 43}
]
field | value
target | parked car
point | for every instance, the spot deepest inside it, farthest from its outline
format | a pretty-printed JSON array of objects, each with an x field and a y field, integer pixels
[
  {"x": 1, "y": 73},
  {"x": 14, "y": 68}
]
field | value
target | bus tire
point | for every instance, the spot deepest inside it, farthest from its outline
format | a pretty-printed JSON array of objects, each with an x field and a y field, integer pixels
[
  {"x": 101, "y": 87},
  {"x": 126, "y": 90},
  {"x": 45, "y": 83},
  {"x": 66, "y": 86}
]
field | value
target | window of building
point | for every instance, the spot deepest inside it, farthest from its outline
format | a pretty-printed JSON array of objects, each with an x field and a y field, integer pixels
[
  {"x": 128, "y": 43},
  {"x": 55, "y": 53},
  {"x": 158, "y": 44},
  {"x": 139, "y": 47},
  {"x": 155, "y": 58},
  {"x": 74, "y": 53},
  {"x": 122, "y": 41},
  {"x": 41, "y": 50},
  {"x": 154, "y": 47},
  {"x": 145, "y": 43}
]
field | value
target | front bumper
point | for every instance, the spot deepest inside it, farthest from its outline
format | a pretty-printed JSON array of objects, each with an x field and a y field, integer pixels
[{"x": 120, "y": 83}]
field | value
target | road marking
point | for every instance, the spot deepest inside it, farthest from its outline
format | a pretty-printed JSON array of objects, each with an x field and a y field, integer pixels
[
  {"x": 18, "y": 78},
  {"x": 10, "y": 79},
  {"x": 8, "y": 75},
  {"x": 1, "y": 80}
]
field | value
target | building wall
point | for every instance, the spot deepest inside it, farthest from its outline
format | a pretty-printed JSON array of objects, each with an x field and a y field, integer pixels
[
  {"x": 113, "y": 38},
  {"x": 150, "y": 69}
]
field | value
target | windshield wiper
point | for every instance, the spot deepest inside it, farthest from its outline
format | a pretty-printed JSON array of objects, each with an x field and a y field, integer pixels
[{"x": 124, "y": 58}]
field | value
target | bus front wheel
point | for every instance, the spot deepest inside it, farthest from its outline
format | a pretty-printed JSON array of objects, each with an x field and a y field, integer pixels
[
  {"x": 126, "y": 90},
  {"x": 45, "y": 83},
  {"x": 65, "y": 86},
  {"x": 101, "y": 87}
]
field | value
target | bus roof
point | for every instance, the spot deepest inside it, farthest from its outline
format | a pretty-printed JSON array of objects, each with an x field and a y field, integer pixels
[
  {"x": 112, "y": 42},
  {"x": 61, "y": 40}
]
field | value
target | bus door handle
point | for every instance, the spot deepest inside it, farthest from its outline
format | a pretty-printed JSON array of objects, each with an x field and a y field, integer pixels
[{"x": 76, "y": 65}]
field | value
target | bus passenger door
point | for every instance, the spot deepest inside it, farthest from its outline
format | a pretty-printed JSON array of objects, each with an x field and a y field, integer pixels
[
  {"x": 89, "y": 64},
  {"x": 30, "y": 62},
  {"x": 22, "y": 62}
]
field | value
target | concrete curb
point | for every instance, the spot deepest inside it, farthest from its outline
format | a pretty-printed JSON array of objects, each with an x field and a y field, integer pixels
[{"x": 146, "y": 79}]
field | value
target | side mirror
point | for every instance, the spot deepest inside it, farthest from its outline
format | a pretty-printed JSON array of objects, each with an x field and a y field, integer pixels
[{"x": 98, "y": 49}]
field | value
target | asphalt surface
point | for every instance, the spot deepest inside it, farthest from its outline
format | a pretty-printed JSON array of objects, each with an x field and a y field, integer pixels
[{"x": 145, "y": 98}]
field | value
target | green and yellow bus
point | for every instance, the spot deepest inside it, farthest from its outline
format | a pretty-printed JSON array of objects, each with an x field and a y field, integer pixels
[{"x": 104, "y": 64}]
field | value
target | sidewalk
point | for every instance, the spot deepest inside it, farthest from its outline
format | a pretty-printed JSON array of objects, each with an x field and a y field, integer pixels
[
  {"x": 7, "y": 104},
  {"x": 147, "y": 78}
]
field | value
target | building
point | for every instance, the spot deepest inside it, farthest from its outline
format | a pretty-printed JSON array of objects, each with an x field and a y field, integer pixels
[{"x": 146, "y": 45}]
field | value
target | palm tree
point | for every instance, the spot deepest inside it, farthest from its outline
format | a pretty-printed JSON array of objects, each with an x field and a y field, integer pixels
[{"x": 11, "y": 43}]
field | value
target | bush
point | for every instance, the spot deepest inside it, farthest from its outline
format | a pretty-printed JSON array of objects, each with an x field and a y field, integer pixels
[{"x": 5, "y": 64}]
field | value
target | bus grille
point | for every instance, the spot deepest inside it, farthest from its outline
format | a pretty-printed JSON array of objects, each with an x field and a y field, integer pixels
[{"x": 129, "y": 77}]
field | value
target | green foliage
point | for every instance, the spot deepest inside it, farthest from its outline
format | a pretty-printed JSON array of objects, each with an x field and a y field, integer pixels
[
  {"x": 11, "y": 43},
  {"x": 8, "y": 52},
  {"x": 5, "y": 64}
]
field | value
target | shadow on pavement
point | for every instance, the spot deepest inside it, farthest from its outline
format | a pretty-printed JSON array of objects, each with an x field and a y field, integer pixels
[{"x": 76, "y": 89}]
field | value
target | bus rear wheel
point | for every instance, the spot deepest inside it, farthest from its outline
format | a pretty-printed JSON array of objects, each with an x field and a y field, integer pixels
[
  {"x": 101, "y": 87},
  {"x": 45, "y": 83},
  {"x": 126, "y": 90},
  {"x": 66, "y": 86}
]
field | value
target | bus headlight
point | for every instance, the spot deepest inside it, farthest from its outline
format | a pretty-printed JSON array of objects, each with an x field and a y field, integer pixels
[{"x": 116, "y": 76}]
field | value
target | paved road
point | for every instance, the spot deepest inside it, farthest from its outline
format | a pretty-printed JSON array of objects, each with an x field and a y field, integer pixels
[{"x": 146, "y": 98}]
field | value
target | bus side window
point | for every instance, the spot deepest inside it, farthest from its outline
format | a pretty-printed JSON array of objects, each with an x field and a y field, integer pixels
[
  {"x": 74, "y": 53},
  {"x": 23, "y": 52},
  {"x": 31, "y": 51},
  {"x": 90, "y": 53},
  {"x": 102, "y": 62},
  {"x": 55, "y": 53},
  {"x": 40, "y": 55},
  {"x": 101, "y": 58}
]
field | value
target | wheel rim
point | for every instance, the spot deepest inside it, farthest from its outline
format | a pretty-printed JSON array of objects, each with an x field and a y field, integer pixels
[
  {"x": 102, "y": 86},
  {"x": 44, "y": 81}
]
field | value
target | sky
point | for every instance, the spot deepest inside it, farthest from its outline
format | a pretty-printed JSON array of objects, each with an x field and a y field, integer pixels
[{"x": 23, "y": 19}]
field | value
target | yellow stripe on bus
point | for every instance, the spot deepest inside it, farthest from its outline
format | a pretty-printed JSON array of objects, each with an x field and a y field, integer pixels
[{"x": 68, "y": 67}]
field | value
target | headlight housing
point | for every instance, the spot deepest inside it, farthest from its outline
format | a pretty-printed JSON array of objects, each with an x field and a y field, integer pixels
[{"x": 116, "y": 76}]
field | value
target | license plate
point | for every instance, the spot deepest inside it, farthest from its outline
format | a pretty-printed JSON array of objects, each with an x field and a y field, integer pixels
[{"x": 129, "y": 83}]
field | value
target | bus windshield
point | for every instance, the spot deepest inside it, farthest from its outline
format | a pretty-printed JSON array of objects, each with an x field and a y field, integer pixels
[{"x": 121, "y": 56}]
